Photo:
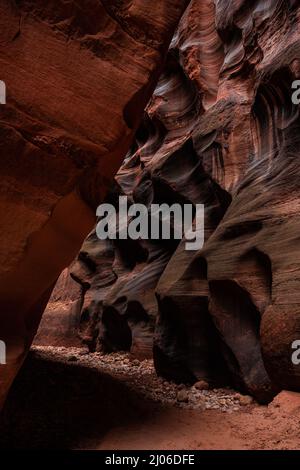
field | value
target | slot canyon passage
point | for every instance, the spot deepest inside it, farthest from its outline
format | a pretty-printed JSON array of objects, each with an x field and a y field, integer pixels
[{"x": 143, "y": 344}]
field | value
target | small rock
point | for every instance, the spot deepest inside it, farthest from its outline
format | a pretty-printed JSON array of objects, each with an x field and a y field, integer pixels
[
  {"x": 200, "y": 405},
  {"x": 202, "y": 385},
  {"x": 85, "y": 352},
  {"x": 182, "y": 396},
  {"x": 181, "y": 387},
  {"x": 215, "y": 407},
  {"x": 245, "y": 400},
  {"x": 135, "y": 362},
  {"x": 72, "y": 358}
]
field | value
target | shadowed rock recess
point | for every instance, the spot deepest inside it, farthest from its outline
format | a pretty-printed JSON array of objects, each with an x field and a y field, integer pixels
[
  {"x": 78, "y": 76},
  {"x": 221, "y": 130}
]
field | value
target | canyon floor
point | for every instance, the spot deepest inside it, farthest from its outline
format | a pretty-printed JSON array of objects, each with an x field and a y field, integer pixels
[{"x": 67, "y": 398}]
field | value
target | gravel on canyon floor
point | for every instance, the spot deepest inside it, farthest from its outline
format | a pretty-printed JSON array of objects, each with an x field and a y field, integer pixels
[{"x": 141, "y": 376}]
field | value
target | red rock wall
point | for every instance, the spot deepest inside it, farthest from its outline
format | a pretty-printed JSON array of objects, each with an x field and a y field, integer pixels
[
  {"x": 78, "y": 76},
  {"x": 221, "y": 130}
]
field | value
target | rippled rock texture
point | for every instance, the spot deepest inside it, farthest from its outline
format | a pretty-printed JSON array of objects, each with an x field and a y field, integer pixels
[
  {"x": 78, "y": 76},
  {"x": 220, "y": 130}
]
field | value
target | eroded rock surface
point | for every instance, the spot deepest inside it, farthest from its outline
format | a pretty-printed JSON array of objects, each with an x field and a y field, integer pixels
[
  {"x": 78, "y": 76},
  {"x": 221, "y": 129},
  {"x": 61, "y": 319}
]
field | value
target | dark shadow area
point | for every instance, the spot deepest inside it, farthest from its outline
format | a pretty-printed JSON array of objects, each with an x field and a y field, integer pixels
[
  {"x": 186, "y": 344},
  {"x": 116, "y": 335},
  {"x": 237, "y": 320},
  {"x": 54, "y": 405}
]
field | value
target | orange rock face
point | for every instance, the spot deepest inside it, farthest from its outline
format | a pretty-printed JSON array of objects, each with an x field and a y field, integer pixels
[
  {"x": 78, "y": 77},
  {"x": 222, "y": 130}
]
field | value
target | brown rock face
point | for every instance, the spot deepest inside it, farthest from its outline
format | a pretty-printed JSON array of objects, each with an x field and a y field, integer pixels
[
  {"x": 241, "y": 289},
  {"x": 61, "y": 319},
  {"x": 221, "y": 130},
  {"x": 78, "y": 76}
]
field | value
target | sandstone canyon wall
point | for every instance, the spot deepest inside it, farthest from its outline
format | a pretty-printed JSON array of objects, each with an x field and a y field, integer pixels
[
  {"x": 78, "y": 76},
  {"x": 221, "y": 130}
]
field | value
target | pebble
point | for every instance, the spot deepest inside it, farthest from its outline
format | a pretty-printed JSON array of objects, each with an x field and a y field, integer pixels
[
  {"x": 120, "y": 365},
  {"x": 180, "y": 386},
  {"x": 201, "y": 385},
  {"x": 182, "y": 396},
  {"x": 73, "y": 359},
  {"x": 245, "y": 400},
  {"x": 84, "y": 353}
]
